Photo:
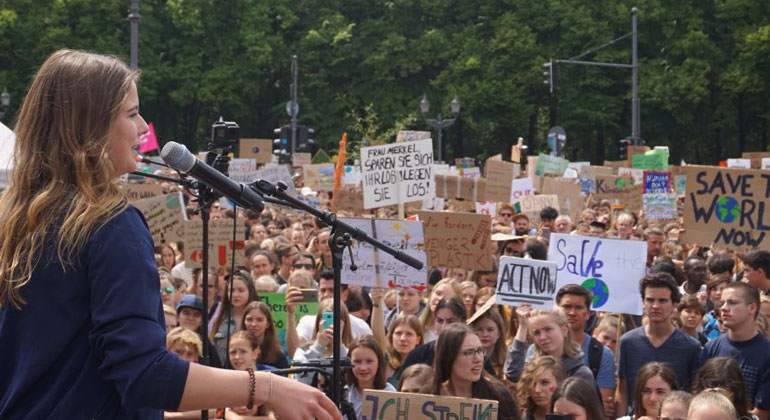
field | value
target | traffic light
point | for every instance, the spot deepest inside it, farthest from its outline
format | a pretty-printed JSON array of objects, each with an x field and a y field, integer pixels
[
  {"x": 623, "y": 148},
  {"x": 304, "y": 141},
  {"x": 549, "y": 75},
  {"x": 282, "y": 144}
]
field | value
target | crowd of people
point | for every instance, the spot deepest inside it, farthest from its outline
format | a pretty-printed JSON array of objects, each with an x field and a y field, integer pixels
[{"x": 699, "y": 350}]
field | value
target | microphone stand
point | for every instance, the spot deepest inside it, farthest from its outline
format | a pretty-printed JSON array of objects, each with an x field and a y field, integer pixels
[
  {"x": 181, "y": 181},
  {"x": 340, "y": 238}
]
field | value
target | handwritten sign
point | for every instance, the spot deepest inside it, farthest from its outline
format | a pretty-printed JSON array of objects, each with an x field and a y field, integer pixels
[
  {"x": 243, "y": 171},
  {"x": 376, "y": 268},
  {"x": 397, "y": 173},
  {"x": 261, "y": 150},
  {"x": 659, "y": 206},
  {"x": 453, "y": 186},
  {"x": 275, "y": 174},
  {"x": 521, "y": 280},
  {"x": 499, "y": 175},
  {"x": 587, "y": 185},
  {"x": 277, "y": 304},
  {"x": 609, "y": 268},
  {"x": 378, "y": 405},
  {"x": 654, "y": 160},
  {"x": 405, "y": 135},
  {"x": 165, "y": 216},
  {"x": 756, "y": 158},
  {"x": 568, "y": 192},
  {"x": 220, "y": 244},
  {"x": 727, "y": 207},
  {"x": 680, "y": 184},
  {"x": 521, "y": 187},
  {"x": 348, "y": 199},
  {"x": 739, "y": 163},
  {"x": 635, "y": 150},
  {"x": 351, "y": 175},
  {"x": 532, "y": 205},
  {"x": 656, "y": 182},
  {"x": 636, "y": 174},
  {"x": 487, "y": 207},
  {"x": 319, "y": 176},
  {"x": 457, "y": 239},
  {"x": 547, "y": 164},
  {"x": 765, "y": 163},
  {"x": 135, "y": 192},
  {"x": 301, "y": 159}
]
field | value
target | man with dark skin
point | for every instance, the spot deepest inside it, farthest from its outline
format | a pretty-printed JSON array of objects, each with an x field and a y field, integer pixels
[{"x": 696, "y": 274}]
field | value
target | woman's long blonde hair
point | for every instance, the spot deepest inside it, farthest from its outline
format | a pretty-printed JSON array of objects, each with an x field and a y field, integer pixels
[{"x": 62, "y": 176}]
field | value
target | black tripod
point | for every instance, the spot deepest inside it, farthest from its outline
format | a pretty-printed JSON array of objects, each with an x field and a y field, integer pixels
[{"x": 324, "y": 369}]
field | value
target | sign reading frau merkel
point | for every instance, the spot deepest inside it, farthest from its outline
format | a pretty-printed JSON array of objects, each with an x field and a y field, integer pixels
[
  {"x": 727, "y": 207},
  {"x": 397, "y": 173},
  {"x": 402, "y": 405}
]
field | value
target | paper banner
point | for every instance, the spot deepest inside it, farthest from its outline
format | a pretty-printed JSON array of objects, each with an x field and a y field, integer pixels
[
  {"x": 397, "y": 173},
  {"x": 378, "y": 405},
  {"x": 659, "y": 206},
  {"x": 220, "y": 243},
  {"x": 656, "y": 182},
  {"x": 457, "y": 239},
  {"x": 547, "y": 164},
  {"x": 521, "y": 280},
  {"x": 165, "y": 216},
  {"x": 319, "y": 177}
]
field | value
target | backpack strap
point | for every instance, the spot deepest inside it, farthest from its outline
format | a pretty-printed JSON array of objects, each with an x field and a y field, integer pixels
[{"x": 595, "y": 353}]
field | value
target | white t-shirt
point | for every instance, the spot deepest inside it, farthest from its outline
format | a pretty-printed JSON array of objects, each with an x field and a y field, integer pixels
[{"x": 306, "y": 324}]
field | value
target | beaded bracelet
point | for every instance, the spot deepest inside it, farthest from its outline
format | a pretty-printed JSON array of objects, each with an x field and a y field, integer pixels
[{"x": 252, "y": 388}]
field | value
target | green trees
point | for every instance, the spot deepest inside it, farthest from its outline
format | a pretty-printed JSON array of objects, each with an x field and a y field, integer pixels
[{"x": 704, "y": 79}]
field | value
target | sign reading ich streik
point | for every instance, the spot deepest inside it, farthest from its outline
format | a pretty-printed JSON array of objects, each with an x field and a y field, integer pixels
[{"x": 610, "y": 268}]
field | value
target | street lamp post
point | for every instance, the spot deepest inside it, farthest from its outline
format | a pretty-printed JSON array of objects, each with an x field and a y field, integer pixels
[
  {"x": 5, "y": 102},
  {"x": 440, "y": 123}
]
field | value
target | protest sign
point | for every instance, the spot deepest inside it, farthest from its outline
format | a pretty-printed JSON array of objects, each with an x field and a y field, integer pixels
[
  {"x": 377, "y": 405},
  {"x": 739, "y": 163},
  {"x": 635, "y": 150},
  {"x": 352, "y": 175},
  {"x": 591, "y": 172},
  {"x": 473, "y": 172},
  {"x": 243, "y": 171},
  {"x": 165, "y": 216},
  {"x": 654, "y": 160},
  {"x": 568, "y": 192},
  {"x": 275, "y": 174},
  {"x": 587, "y": 186},
  {"x": 405, "y": 135},
  {"x": 277, "y": 304},
  {"x": 135, "y": 192},
  {"x": 765, "y": 163},
  {"x": 220, "y": 243},
  {"x": 487, "y": 207},
  {"x": 321, "y": 157},
  {"x": 457, "y": 239},
  {"x": 615, "y": 164},
  {"x": 726, "y": 207},
  {"x": 637, "y": 174},
  {"x": 435, "y": 203},
  {"x": 397, "y": 173},
  {"x": 680, "y": 184},
  {"x": 756, "y": 158},
  {"x": 532, "y": 205},
  {"x": 499, "y": 175},
  {"x": 610, "y": 186},
  {"x": 261, "y": 150},
  {"x": 348, "y": 199},
  {"x": 609, "y": 268},
  {"x": 521, "y": 187},
  {"x": 453, "y": 186},
  {"x": 521, "y": 280},
  {"x": 656, "y": 182},
  {"x": 319, "y": 177},
  {"x": 547, "y": 164},
  {"x": 659, "y": 206},
  {"x": 377, "y": 268},
  {"x": 300, "y": 159}
]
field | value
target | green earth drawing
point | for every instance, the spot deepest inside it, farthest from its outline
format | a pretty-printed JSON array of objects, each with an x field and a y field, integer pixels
[
  {"x": 620, "y": 182},
  {"x": 727, "y": 209},
  {"x": 599, "y": 289}
]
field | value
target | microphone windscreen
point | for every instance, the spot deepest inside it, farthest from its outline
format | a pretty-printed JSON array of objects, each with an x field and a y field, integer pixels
[{"x": 177, "y": 156}]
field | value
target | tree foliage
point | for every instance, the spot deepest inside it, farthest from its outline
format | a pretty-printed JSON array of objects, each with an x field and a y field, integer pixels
[{"x": 704, "y": 68}]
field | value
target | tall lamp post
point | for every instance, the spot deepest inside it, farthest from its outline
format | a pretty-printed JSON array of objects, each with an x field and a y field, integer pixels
[
  {"x": 440, "y": 123},
  {"x": 5, "y": 102}
]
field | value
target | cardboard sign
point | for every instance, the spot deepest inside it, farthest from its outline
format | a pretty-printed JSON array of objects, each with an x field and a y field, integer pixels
[
  {"x": 301, "y": 159},
  {"x": 521, "y": 280},
  {"x": 727, "y": 207},
  {"x": 635, "y": 150},
  {"x": 568, "y": 192},
  {"x": 165, "y": 216},
  {"x": 591, "y": 172},
  {"x": 680, "y": 184},
  {"x": 499, "y": 175},
  {"x": 656, "y": 182},
  {"x": 275, "y": 174},
  {"x": 457, "y": 239},
  {"x": 405, "y": 135},
  {"x": 321, "y": 157},
  {"x": 609, "y": 268},
  {"x": 243, "y": 171},
  {"x": 261, "y": 150},
  {"x": 765, "y": 163},
  {"x": 220, "y": 243},
  {"x": 277, "y": 304},
  {"x": 452, "y": 186},
  {"x": 659, "y": 206},
  {"x": 654, "y": 160},
  {"x": 319, "y": 177},
  {"x": 397, "y": 173},
  {"x": 135, "y": 192},
  {"x": 378, "y": 268},
  {"x": 348, "y": 199},
  {"x": 739, "y": 163},
  {"x": 756, "y": 158},
  {"x": 433, "y": 204},
  {"x": 637, "y": 174},
  {"x": 547, "y": 164},
  {"x": 610, "y": 186},
  {"x": 521, "y": 187},
  {"x": 534, "y": 203},
  {"x": 487, "y": 207},
  {"x": 377, "y": 405}
]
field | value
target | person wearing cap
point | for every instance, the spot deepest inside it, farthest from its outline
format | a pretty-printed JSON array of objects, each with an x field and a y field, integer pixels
[
  {"x": 189, "y": 314},
  {"x": 521, "y": 225}
]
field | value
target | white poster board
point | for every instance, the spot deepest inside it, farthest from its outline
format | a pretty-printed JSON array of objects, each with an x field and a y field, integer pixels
[
  {"x": 377, "y": 268},
  {"x": 275, "y": 174},
  {"x": 765, "y": 163},
  {"x": 610, "y": 268},
  {"x": 397, "y": 173},
  {"x": 243, "y": 171},
  {"x": 739, "y": 163},
  {"x": 521, "y": 187},
  {"x": 522, "y": 280}
]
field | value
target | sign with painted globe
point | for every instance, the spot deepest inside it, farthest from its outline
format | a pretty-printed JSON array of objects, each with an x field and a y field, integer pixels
[
  {"x": 727, "y": 207},
  {"x": 610, "y": 268}
]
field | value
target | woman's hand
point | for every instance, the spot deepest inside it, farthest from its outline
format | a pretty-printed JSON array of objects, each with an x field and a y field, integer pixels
[
  {"x": 295, "y": 400},
  {"x": 293, "y": 298},
  {"x": 521, "y": 315},
  {"x": 325, "y": 337}
]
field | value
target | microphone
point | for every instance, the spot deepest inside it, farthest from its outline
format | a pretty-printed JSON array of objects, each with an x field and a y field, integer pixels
[{"x": 178, "y": 157}]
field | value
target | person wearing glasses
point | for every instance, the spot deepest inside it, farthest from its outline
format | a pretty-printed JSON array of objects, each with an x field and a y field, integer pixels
[
  {"x": 459, "y": 370},
  {"x": 740, "y": 306},
  {"x": 505, "y": 215}
]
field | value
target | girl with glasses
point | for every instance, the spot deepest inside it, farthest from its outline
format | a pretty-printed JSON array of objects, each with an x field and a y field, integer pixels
[{"x": 459, "y": 370}]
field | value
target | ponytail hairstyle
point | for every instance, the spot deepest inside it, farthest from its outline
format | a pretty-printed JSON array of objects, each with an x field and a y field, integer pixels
[{"x": 70, "y": 110}]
